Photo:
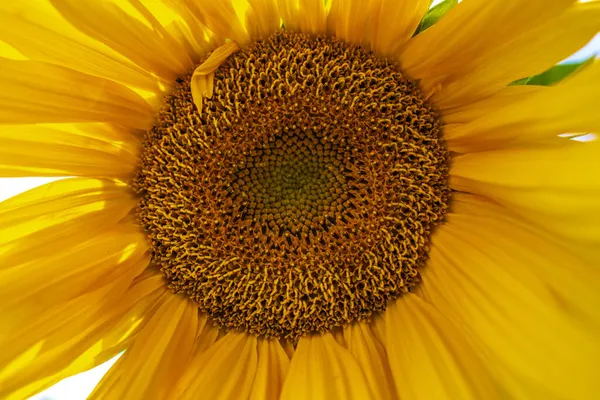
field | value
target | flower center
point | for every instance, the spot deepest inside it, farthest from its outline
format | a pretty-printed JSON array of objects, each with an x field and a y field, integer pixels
[{"x": 303, "y": 196}]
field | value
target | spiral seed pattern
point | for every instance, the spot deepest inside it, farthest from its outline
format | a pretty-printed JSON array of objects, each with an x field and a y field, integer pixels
[{"x": 303, "y": 195}]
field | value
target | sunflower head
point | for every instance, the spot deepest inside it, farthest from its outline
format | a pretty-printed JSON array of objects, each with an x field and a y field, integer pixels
[
  {"x": 299, "y": 199},
  {"x": 302, "y": 195}
]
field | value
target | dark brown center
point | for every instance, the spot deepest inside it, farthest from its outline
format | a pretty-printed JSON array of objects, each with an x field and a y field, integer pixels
[{"x": 304, "y": 194}]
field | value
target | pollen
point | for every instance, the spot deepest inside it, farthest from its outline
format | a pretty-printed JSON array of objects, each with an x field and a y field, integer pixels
[{"x": 303, "y": 195}]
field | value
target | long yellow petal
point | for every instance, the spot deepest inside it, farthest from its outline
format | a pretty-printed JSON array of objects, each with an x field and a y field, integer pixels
[
  {"x": 336, "y": 375},
  {"x": 196, "y": 46},
  {"x": 207, "y": 335},
  {"x": 175, "y": 22},
  {"x": 220, "y": 17},
  {"x": 568, "y": 107},
  {"x": 127, "y": 318},
  {"x": 567, "y": 271},
  {"x": 556, "y": 188},
  {"x": 454, "y": 118},
  {"x": 307, "y": 16},
  {"x": 271, "y": 370},
  {"x": 530, "y": 305},
  {"x": 29, "y": 30},
  {"x": 383, "y": 25},
  {"x": 469, "y": 31},
  {"x": 262, "y": 18},
  {"x": 57, "y": 212},
  {"x": 372, "y": 358},
  {"x": 392, "y": 23},
  {"x": 290, "y": 14},
  {"x": 430, "y": 357},
  {"x": 348, "y": 20},
  {"x": 312, "y": 16},
  {"x": 36, "y": 92},
  {"x": 153, "y": 49},
  {"x": 197, "y": 34},
  {"x": 157, "y": 357},
  {"x": 527, "y": 55},
  {"x": 29, "y": 285},
  {"x": 481, "y": 206},
  {"x": 378, "y": 327},
  {"x": 72, "y": 350},
  {"x": 225, "y": 371},
  {"x": 44, "y": 150},
  {"x": 58, "y": 339}
]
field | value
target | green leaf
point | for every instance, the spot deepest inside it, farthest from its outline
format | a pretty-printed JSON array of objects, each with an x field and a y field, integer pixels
[
  {"x": 554, "y": 74},
  {"x": 434, "y": 14},
  {"x": 523, "y": 81}
]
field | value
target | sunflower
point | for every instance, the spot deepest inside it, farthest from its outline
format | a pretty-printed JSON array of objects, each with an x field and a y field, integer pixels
[{"x": 298, "y": 199}]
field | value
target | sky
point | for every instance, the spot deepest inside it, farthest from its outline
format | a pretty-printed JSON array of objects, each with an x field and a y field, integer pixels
[{"x": 78, "y": 387}]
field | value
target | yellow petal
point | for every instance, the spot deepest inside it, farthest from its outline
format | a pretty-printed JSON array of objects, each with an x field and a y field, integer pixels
[
  {"x": 225, "y": 371},
  {"x": 288, "y": 347},
  {"x": 220, "y": 17},
  {"x": 307, "y": 16},
  {"x": 195, "y": 46},
  {"x": 348, "y": 20},
  {"x": 30, "y": 30},
  {"x": 191, "y": 28},
  {"x": 44, "y": 150},
  {"x": 58, "y": 211},
  {"x": 64, "y": 338},
  {"x": 312, "y": 16},
  {"x": 339, "y": 336},
  {"x": 175, "y": 22},
  {"x": 321, "y": 369},
  {"x": 372, "y": 358},
  {"x": 157, "y": 357},
  {"x": 378, "y": 327},
  {"x": 290, "y": 14},
  {"x": 430, "y": 357},
  {"x": 557, "y": 188},
  {"x": 151, "y": 48},
  {"x": 52, "y": 275},
  {"x": 133, "y": 310},
  {"x": 175, "y": 18},
  {"x": 454, "y": 118},
  {"x": 468, "y": 32},
  {"x": 34, "y": 92},
  {"x": 531, "y": 53},
  {"x": 207, "y": 336},
  {"x": 530, "y": 306},
  {"x": 567, "y": 272},
  {"x": 568, "y": 107},
  {"x": 262, "y": 18},
  {"x": 272, "y": 367},
  {"x": 203, "y": 76},
  {"x": 392, "y": 23},
  {"x": 481, "y": 206}
]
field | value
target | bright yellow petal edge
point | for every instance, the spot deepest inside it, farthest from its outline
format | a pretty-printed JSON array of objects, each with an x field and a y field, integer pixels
[{"x": 508, "y": 307}]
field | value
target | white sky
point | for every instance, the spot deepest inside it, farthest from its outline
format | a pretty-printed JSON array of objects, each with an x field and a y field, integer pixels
[{"x": 78, "y": 387}]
